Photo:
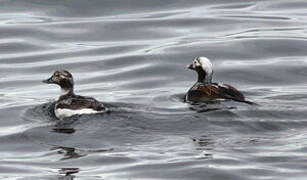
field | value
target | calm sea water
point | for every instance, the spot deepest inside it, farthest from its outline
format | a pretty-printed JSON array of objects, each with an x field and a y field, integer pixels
[{"x": 132, "y": 55}]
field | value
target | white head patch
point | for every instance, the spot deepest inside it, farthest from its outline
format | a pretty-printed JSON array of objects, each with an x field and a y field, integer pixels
[{"x": 206, "y": 65}]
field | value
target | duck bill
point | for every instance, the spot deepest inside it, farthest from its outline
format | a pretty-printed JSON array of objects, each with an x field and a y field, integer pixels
[
  {"x": 191, "y": 66},
  {"x": 48, "y": 81}
]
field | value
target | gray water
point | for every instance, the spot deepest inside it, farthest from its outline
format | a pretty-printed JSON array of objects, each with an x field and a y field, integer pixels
[{"x": 132, "y": 56}]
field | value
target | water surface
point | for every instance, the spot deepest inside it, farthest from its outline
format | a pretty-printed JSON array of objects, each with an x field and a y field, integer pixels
[{"x": 132, "y": 55}]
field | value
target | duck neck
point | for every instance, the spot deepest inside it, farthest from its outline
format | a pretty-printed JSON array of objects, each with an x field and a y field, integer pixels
[
  {"x": 203, "y": 77},
  {"x": 206, "y": 79},
  {"x": 67, "y": 87},
  {"x": 67, "y": 91}
]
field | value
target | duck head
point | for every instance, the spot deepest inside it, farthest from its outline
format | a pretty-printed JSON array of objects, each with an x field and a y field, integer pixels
[
  {"x": 204, "y": 69},
  {"x": 62, "y": 78}
]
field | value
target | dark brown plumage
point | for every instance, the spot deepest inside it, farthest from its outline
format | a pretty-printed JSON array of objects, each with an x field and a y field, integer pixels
[
  {"x": 204, "y": 90},
  {"x": 74, "y": 102}
]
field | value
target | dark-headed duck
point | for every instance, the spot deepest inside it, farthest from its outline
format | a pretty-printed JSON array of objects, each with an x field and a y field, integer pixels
[{"x": 69, "y": 103}]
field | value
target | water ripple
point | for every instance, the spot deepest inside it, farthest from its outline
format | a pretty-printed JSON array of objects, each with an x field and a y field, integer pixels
[{"x": 131, "y": 55}]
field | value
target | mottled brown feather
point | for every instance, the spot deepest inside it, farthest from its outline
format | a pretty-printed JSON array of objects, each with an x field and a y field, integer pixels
[
  {"x": 232, "y": 92},
  {"x": 211, "y": 91},
  {"x": 215, "y": 91},
  {"x": 79, "y": 102}
]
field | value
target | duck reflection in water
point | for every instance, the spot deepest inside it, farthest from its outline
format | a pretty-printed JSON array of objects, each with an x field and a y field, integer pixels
[
  {"x": 67, "y": 173},
  {"x": 68, "y": 152},
  {"x": 205, "y": 144}
]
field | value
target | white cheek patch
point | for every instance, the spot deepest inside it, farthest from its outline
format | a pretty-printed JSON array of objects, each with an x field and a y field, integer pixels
[
  {"x": 64, "y": 91},
  {"x": 206, "y": 65},
  {"x": 63, "y": 113}
]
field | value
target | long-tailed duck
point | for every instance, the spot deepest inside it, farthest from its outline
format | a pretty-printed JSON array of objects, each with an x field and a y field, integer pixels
[
  {"x": 204, "y": 90},
  {"x": 70, "y": 104}
]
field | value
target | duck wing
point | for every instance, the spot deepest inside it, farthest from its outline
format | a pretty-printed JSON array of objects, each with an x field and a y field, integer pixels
[
  {"x": 230, "y": 92},
  {"x": 202, "y": 92},
  {"x": 211, "y": 91},
  {"x": 81, "y": 102},
  {"x": 222, "y": 91}
]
